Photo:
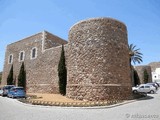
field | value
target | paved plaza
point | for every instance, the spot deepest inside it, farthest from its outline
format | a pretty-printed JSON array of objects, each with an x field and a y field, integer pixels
[{"x": 147, "y": 109}]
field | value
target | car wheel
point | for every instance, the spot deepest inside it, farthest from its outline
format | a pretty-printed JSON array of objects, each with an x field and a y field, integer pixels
[
  {"x": 135, "y": 91},
  {"x": 152, "y": 92}
]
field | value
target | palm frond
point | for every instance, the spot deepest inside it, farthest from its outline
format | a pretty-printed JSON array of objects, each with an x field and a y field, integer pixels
[{"x": 135, "y": 54}]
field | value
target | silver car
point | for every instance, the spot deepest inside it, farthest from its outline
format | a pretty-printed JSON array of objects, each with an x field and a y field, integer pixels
[{"x": 144, "y": 88}]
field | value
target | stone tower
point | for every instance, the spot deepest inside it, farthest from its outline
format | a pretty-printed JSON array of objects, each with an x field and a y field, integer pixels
[{"x": 98, "y": 60}]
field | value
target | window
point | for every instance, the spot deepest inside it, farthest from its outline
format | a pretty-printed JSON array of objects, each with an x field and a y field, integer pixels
[
  {"x": 33, "y": 53},
  {"x": 142, "y": 87},
  {"x": 147, "y": 86},
  {"x": 21, "y": 56},
  {"x": 10, "y": 59}
]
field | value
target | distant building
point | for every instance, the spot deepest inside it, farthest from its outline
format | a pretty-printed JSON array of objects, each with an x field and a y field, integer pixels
[
  {"x": 153, "y": 70},
  {"x": 155, "y": 67},
  {"x": 156, "y": 75}
]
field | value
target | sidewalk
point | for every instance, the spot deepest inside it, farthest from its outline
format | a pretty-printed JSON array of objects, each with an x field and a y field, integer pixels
[{"x": 59, "y": 100}]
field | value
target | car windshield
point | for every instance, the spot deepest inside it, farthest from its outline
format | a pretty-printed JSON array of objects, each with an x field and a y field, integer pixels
[
  {"x": 8, "y": 87},
  {"x": 19, "y": 89}
]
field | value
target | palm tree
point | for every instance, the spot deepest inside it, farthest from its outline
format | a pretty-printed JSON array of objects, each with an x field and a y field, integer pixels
[{"x": 135, "y": 56}]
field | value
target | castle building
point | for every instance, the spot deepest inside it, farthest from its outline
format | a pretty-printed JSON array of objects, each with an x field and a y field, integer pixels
[
  {"x": 96, "y": 57},
  {"x": 40, "y": 54}
]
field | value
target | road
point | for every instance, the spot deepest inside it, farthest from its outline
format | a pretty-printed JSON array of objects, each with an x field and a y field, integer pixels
[{"x": 11, "y": 109}]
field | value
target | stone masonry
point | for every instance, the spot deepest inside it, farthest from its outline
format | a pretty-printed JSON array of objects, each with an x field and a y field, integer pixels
[
  {"x": 96, "y": 56},
  {"x": 140, "y": 71},
  {"x": 154, "y": 65},
  {"x": 41, "y": 72},
  {"x": 98, "y": 60}
]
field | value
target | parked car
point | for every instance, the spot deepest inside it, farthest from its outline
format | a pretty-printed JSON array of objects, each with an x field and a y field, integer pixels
[
  {"x": 154, "y": 84},
  {"x": 6, "y": 89},
  {"x": 145, "y": 88},
  {"x": 17, "y": 92},
  {"x": 1, "y": 91},
  {"x": 157, "y": 84}
]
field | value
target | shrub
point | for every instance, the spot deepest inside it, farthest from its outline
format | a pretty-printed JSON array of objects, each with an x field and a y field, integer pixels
[
  {"x": 62, "y": 73},
  {"x": 146, "y": 76},
  {"x": 136, "y": 78},
  {"x": 10, "y": 76},
  {"x": 22, "y": 77},
  {"x": 0, "y": 77}
]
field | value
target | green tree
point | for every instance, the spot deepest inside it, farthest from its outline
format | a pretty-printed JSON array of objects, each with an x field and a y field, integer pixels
[
  {"x": 136, "y": 78},
  {"x": 22, "y": 77},
  {"x": 135, "y": 54},
  {"x": 0, "y": 77},
  {"x": 62, "y": 73},
  {"x": 10, "y": 76},
  {"x": 146, "y": 76}
]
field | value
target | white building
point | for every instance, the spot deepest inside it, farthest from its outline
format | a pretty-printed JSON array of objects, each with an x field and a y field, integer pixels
[{"x": 156, "y": 75}]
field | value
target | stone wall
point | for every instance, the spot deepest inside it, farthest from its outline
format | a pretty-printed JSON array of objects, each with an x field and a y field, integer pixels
[
  {"x": 15, "y": 48},
  {"x": 98, "y": 60},
  {"x": 41, "y": 72},
  {"x": 96, "y": 56},
  {"x": 154, "y": 65},
  {"x": 52, "y": 41},
  {"x": 140, "y": 71}
]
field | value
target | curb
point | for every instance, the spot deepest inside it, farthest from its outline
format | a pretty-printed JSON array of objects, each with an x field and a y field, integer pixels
[
  {"x": 106, "y": 104},
  {"x": 89, "y": 104}
]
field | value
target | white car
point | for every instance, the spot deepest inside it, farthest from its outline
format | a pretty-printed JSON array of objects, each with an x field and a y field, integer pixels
[{"x": 145, "y": 88}]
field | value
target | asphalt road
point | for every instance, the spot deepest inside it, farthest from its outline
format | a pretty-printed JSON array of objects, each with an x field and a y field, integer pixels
[{"x": 11, "y": 109}]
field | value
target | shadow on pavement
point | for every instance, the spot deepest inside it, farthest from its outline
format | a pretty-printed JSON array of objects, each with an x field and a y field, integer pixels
[
  {"x": 142, "y": 96},
  {"x": 146, "y": 98}
]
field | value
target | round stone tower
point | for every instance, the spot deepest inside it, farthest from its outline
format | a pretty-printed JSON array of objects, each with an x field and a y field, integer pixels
[{"x": 98, "y": 60}]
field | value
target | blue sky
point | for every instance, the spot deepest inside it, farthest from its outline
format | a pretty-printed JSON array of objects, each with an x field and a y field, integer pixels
[{"x": 22, "y": 18}]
